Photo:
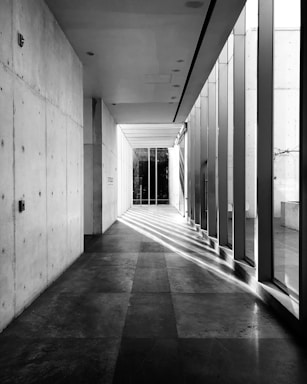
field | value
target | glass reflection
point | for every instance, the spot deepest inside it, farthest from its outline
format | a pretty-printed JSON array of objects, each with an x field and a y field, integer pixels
[{"x": 286, "y": 144}]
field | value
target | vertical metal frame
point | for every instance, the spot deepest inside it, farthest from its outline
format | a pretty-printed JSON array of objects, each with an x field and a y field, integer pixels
[
  {"x": 192, "y": 160},
  {"x": 265, "y": 140},
  {"x": 212, "y": 211},
  {"x": 186, "y": 173},
  {"x": 148, "y": 149},
  {"x": 203, "y": 154},
  {"x": 189, "y": 166},
  {"x": 197, "y": 161},
  {"x": 238, "y": 218},
  {"x": 303, "y": 173},
  {"x": 223, "y": 146},
  {"x": 156, "y": 176}
]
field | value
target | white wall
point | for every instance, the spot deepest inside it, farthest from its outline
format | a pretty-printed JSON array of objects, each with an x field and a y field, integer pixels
[
  {"x": 41, "y": 154},
  {"x": 109, "y": 169},
  {"x": 125, "y": 172},
  {"x": 173, "y": 176}
]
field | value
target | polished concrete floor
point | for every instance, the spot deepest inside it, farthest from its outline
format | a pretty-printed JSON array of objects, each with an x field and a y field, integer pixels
[{"x": 139, "y": 306}]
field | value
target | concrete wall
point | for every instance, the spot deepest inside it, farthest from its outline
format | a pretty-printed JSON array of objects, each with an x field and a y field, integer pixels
[
  {"x": 92, "y": 166},
  {"x": 174, "y": 178},
  {"x": 100, "y": 167},
  {"x": 125, "y": 172},
  {"x": 41, "y": 154},
  {"x": 109, "y": 169}
]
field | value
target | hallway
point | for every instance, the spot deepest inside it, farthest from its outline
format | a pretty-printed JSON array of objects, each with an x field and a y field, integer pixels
[{"x": 131, "y": 310}]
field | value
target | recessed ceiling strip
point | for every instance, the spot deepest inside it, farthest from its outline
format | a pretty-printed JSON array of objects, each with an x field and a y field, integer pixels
[{"x": 200, "y": 40}]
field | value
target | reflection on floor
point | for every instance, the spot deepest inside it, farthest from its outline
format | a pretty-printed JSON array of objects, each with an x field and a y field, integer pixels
[{"x": 134, "y": 310}]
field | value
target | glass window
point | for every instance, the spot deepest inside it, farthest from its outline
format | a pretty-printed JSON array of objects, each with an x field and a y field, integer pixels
[
  {"x": 286, "y": 144},
  {"x": 140, "y": 176}
]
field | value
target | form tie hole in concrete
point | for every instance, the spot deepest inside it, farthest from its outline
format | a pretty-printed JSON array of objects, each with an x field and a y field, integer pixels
[
  {"x": 3, "y": 196},
  {"x": 39, "y": 193},
  {"x": 24, "y": 240},
  {"x": 3, "y": 250},
  {"x": 23, "y": 148},
  {"x": 2, "y": 143},
  {"x": 3, "y": 305}
]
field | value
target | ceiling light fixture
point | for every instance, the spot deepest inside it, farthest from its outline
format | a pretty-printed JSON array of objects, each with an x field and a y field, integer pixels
[{"x": 194, "y": 4}]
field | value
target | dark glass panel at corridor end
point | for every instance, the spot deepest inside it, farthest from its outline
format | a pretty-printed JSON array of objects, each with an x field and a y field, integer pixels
[
  {"x": 162, "y": 160},
  {"x": 152, "y": 176},
  {"x": 140, "y": 176}
]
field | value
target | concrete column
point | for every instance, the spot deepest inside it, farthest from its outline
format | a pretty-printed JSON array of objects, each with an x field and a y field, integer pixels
[
  {"x": 197, "y": 161},
  {"x": 212, "y": 211},
  {"x": 223, "y": 146},
  {"x": 92, "y": 167},
  {"x": 204, "y": 154},
  {"x": 265, "y": 140}
]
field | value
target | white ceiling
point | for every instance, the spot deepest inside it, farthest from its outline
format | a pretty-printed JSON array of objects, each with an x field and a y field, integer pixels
[
  {"x": 151, "y": 135},
  {"x": 149, "y": 61}
]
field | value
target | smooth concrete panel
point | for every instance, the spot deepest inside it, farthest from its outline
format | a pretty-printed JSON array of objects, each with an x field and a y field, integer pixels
[
  {"x": 88, "y": 121},
  {"x": 6, "y": 32},
  {"x": 29, "y": 61},
  {"x": 30, "y": 185},
  {"x": 88, "y": 189},
  {"x": 56, "y": 191},
  {"x": 7, "y": 257},
  {"x": 73, "y": 189},
  {"x": 57, "y": 61}
]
